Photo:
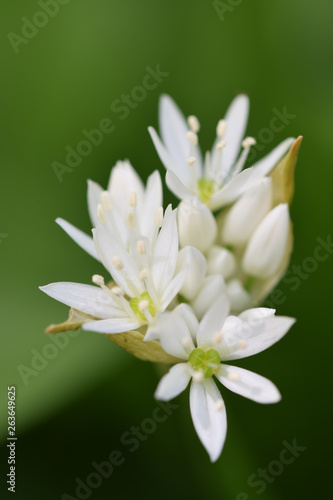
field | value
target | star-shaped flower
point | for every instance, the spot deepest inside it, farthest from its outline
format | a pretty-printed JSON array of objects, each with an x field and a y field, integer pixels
[
  {"x": 220, "y": 178},
  {"x": 204, "y": 348}
]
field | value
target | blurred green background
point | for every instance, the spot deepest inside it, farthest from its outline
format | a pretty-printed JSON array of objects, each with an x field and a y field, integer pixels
[{"x": 74, "y": 408}]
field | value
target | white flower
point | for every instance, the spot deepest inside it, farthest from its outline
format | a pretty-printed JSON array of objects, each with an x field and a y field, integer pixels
[
  {"x": 126, "y": 206},
  {"x": 196, "y": 225},
  {"x": 266, "y": 249},
  {"x": 145, "y": 277},
  {"x": 219, "y": 179},
  {"x": 203, "y": 346}
]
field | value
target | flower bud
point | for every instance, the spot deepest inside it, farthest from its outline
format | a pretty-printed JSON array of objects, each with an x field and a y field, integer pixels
[
  {"x": 239, "y": 298},
  {"x": 266, "y": 249},
  {"x": 196, "y": 224},
  {"x": 221, "y": 261},
  {"x": 196, "y": 266},
  {"x": 245, "y": 215}
]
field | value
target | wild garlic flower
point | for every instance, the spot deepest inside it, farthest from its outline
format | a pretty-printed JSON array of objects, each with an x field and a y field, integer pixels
[
  {"x": 204, "y": 348},
  {"x": 126, "y": 204},
  {"x": 144, "y": 272},
  {"x": 219, "y": 179}
]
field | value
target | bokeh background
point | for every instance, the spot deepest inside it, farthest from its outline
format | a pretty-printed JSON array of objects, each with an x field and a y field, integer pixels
[{"x": 73, "y": 409}]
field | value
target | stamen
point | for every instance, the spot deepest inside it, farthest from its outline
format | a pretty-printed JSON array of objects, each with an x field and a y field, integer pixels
[
  {"x": 143, "y": 304},
  {"x": 130, "y": 219},
  {"x": 117, "y": 291},
  {"x": 133, "y": 201},
  {"x": 248, "y": 142},
  {"x": 106, "y": 203},
  {"x": 198, "y": 376},
  {"x": 117, "y": 263},
  {"x": 158, "y": 219},
  {"x": 100, "y": 213},
  {"x": 221, "y": 128},
  {"x": 220, "y": 145},
  {"x": 217, "y": 338},
  {"x": 143, "y": 274},
  {"x": 234, "y": 376},
  {"x": 185, "y": 342},
  {"x": 192, "y": 137},
  {"x": 193, "y": 123},
  {"x": 191, "y": 161},
  {"x": 219, "y": 404},
  {"x": 242, "y": 344},
  {"x": 141, "y": 247},
  {"x": 98, "y": 280}
]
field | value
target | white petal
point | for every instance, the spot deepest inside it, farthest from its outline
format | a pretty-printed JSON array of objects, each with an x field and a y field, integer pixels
[
  {"x": 112, "y": 325},
  {"x": 128, "y": 277},
  {"x": 212, "y": 288},
  {"x": 176, "y": 186},
  {"x": 152, "y": 200},
  {"x": 123, "y": 181},
  {"x": 210, "y": 421},
  {"x": 265, "y": 166},
  {"x": 85, "y": 298},
  {"x": 165, "y": 253},
  {"x": 173, "y": 289},
  {"x": 236, "y": 118},
  {"x": 232, "y": 190},
  {"x": 187, "y": 313},
  {"x": 249, "y": 338},
  {"x": 173, "y": 333},
  {"x": 213, "y": 321},
  {"x": 257, "y": 313},
  {"x": 173, "y": 129},
  {"x": 82, "y": 239},
  {"x": 196, "y": 224},
  {"x": 266, "y": 249},
  {"x": 94, "y": 198},
  {"x": 173, "y": 383},
  {"x": 195, "y": 264},
  {"x": 248, "y": 384}
]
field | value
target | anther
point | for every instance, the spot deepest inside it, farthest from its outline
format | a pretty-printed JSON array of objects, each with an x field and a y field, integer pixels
[
  {"x": 219, "y": 404},
  {"x": 185, "y": 342},
  {"x": 217, "y": 338},
  {"x": 221, "y": 128},
  {"x": 141, "y": 247},
  {"x": 106, "y": 203},
  {"x": 192, "y": 137},
  {"x": 100, "y": 213},
  {"x": 242, "y": 344},
  {"x": 198, "y": 376},
  {"x": 117, "y": 291},
  {"x": 234, "y": 376},
  {"x": 117, "y": 263},
  {"x": 98, "y": 279},
  {"x": 193, "y": 123},
  {"x": 130, "y": 219},
  {"x": 133, "y": 200},
  {"x": 143, "y": 304},
  {"x": 191, "y": 161},
  {"x": 158, "y": 219},
  {"x": 143, "y": 274},
  {"x": 248, "y": 142},
  {"x": 220, "y": 145}
]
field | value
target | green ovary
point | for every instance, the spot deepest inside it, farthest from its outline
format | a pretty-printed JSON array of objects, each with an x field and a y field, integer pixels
[
  {"x": 206, "y": 189},
  {"x": 206, "y": 361},
  {"x": 134, "y": 303}
]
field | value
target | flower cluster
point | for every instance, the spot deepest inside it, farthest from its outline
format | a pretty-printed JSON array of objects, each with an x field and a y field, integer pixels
[{"x": 185, "y": 282}]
